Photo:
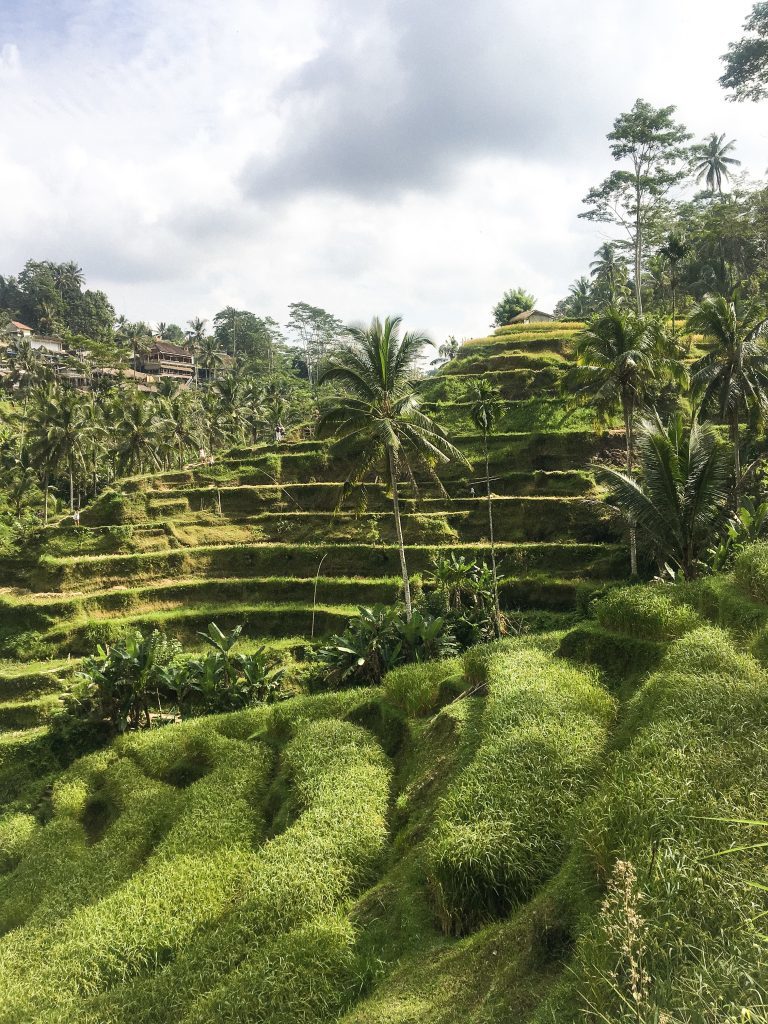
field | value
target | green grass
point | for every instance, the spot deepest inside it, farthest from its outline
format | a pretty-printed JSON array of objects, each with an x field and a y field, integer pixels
[{"x": 502, "y": 828}]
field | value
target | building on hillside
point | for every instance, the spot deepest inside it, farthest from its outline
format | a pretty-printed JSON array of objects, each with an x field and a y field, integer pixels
[
  {"x": 532, "y": 316},
  {"x": 167, "y": 360},
  {"x": 48, "y": 343},
  {"x": 15, "y": 330}
]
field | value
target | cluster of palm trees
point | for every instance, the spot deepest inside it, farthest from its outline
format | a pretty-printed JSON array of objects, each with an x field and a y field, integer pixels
[
  {"x": 634, "y": 366},
  {"x": 76, "y": 442}
]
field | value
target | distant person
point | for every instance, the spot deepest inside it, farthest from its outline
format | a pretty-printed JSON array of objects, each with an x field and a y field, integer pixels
[
  {"x": 279, "y": 432},
  {"x": 76, "y": 517},
  {"x": 202, "y": 455},
  {"x": 472, "y": 491}
]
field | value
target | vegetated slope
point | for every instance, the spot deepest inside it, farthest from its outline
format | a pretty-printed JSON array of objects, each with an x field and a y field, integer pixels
[
  {"x": 491, "y": 839},
  {"x": 242, "y": 541}
]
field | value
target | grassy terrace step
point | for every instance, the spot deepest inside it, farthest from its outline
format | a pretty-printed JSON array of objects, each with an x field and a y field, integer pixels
[
  {"x": 524, "y": 414},
  {"x": 44, "y": 611},
  {"x": 560, "y": 344},
  {"x": 28, "y": 712},
  {"x": 429, "y": 521},
  {"x": 511, "y": 384},
  {"x": 482, "y": 361},
  {"x": 301, "y": 560},
  {"x": 271, "y": 620}
]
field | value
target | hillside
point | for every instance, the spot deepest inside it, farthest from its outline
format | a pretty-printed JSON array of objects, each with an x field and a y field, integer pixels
[
  {"x": 552, "y": 828},
  {"x": 243, "y": 540}
]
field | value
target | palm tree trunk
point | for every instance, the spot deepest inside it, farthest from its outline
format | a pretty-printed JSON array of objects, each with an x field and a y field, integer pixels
[
  {"x": 630, "y": 460},
  {"x": 399, "y": 532},
  {"x": 638, "y": 253},
  {"x": 45, "y": 515},
  {"x": 736, "y": 457},
  {"x": 71, "y": 490},
  {"x": 496, "y": 609}
]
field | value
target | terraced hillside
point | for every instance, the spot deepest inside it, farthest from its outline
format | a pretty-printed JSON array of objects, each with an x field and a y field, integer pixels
[
  {"x": 253, "y": 538},
  {"x": 504, "y": 837}
]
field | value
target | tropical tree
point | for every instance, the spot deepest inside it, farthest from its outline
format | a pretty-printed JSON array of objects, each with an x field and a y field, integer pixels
[
  {"x": 712, "y": 163},
  {"x": 674, "y": 251},
  {"x": 731, "y": 380},
  {"x": 138, "y": 436},
  {"x": 634, "y": 196},
  {"x": 377, "y": 415},
  {"x": 746, "y": 63},
  {"x": 681, "y": 500},
  {"x": 486, "y": 404},
  {"x": 209, "y": 356},
  {"x": 195, "y": 337},
  {"x": 511, "y": 304},
  {"x": 620, "y": 356},
  {"x": 609, "y": 272},
  {"x": 60, "y": 428}
]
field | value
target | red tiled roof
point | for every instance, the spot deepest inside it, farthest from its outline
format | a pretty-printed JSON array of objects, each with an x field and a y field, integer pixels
[{"x": 22, "y": 327}]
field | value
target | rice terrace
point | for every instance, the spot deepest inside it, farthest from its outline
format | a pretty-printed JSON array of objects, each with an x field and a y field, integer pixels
[{"x": 356, "y": 673}]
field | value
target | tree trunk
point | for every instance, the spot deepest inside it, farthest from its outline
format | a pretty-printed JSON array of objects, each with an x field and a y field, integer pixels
[
  {"x": 638, "y": 251},
  {"x": 45, "y": 515},
  {"x": 630, "y": 460},
  {"x": 399, "y": 532},
  {"x": 71, "y": 490},
  {"x": 496, "y": 609},
  {"x": 736, "y": 458}
]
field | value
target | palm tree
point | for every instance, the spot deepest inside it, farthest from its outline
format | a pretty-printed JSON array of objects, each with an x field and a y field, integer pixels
[
  {"x": 137, "y": 435},
  {"x": 731, "y": 379},
  {"x": 580, "y": 302},
  {"x": 60, "y": 428},
  {"x": 377, "y": 416},
  {"x": 674, "y": 251},
  {"x": 681, "y": 502},
  {"x": 486, "y": 403},
  {"x": 195, "y": 336},
  {"x": 181, "y": 430},
  {"x": 25, "y": 367},
  {"x": 619, "y": 357},
  {"x": 712, "y": 161},
  {"x": 209, "y": 356},
  {"x": 608, "y": 269}
]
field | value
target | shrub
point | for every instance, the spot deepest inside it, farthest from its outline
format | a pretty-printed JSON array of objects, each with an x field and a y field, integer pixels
[
  {"x": 645, "y": 612},
  {"x": 379, "y": 639},
  {"x": 502, "y": 827}
]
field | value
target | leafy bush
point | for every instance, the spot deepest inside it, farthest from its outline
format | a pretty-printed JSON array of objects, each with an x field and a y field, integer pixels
[
  {"x": 127, "y": 683},
  {"x": 512, "y": 302},
  {"x": 378, "y": 640}
]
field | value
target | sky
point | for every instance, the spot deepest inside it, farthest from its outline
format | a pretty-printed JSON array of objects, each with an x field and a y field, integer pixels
[{"x": 395, "y": 156}]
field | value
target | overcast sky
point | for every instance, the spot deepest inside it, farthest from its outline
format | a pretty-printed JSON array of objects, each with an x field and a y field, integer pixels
[{"x": 408, "y": 156}]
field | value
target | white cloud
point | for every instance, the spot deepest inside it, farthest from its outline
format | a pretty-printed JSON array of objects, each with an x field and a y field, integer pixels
[
  {"x": 414, "y": 158},
  {"x": 10, "y": 61}
]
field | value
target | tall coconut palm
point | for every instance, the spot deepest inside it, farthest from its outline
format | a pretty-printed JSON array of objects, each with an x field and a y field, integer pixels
[
  {"x": 377, "y": 415},
  {"x": 486, "y": 403},
  {"x": 209, "y": 356},
  {"x": 732, "y": 379},
  {"x": 712, "y": 163},
  {"x": 138, "y": 434},
  {"x": 60, "y": 428},
  {"x": 609, "y": 270},
  {"x": 681, "y": 500},
  {"x": 620, "y": 356},
  {"x": 674, "y": 251},
  {"x": 195, "y": 337},
  {"x": 182, "y": 434},
  {"x": 580, "y": 301},
  {"x": 26, "y": 370}
]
